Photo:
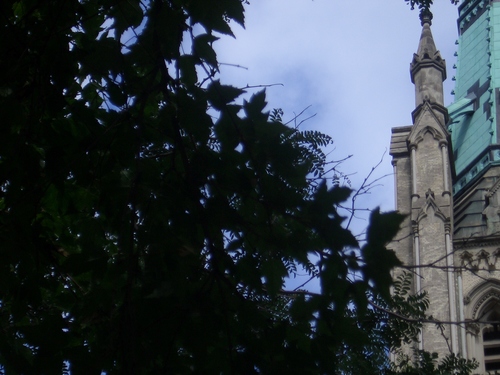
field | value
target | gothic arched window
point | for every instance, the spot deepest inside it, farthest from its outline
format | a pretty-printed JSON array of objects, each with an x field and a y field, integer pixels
[{"x": 483, "y": 330}]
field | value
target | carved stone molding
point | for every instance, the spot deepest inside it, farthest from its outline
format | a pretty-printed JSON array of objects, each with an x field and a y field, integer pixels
[
  {"x": 447, "y": 227},
  {"x": 480, "y": 260},
  {"x": 475, "y": 243},
  {"x": 430, "y": 201},
  {"x": 472, "y": 328},
  {"x": 419, "y": 137},
  {"x": 429, "y": 194},
  {"x": 492, "y": 294},
  {"x": 467, "y": 259},
  {"x": 414, "y": 228}
]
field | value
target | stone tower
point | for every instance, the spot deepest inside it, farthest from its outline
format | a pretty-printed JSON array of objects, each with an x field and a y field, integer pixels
[
  {"x": 447, "y": 171},
  {"x": 422, "y": 166}
]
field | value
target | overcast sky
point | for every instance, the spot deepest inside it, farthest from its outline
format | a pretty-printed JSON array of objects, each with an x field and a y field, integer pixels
[{"x": 348, "y": 60}]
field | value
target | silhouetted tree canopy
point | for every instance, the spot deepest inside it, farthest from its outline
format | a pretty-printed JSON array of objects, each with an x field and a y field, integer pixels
[{"x": 149, "y": 216}]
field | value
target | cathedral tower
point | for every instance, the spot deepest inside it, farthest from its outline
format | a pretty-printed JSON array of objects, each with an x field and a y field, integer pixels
[{"x": 447, "y": 172}]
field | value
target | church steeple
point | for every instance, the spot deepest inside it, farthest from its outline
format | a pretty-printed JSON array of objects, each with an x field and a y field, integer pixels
[{"x": 428, "y": 69}]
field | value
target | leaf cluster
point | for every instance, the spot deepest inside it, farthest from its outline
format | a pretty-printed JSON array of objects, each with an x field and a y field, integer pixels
[
  {"x": 428, "y": 363},
  {"x": 425, "y": 5},
  {"x": 405, "y": 316}
]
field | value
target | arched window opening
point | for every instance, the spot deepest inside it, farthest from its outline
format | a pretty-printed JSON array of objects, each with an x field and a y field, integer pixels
[
  {"x": 491, "y": 340},
  {"x": 483, "y": 330}
]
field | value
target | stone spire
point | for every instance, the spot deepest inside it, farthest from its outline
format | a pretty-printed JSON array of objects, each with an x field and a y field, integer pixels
[{"x": 428, "y": 69}]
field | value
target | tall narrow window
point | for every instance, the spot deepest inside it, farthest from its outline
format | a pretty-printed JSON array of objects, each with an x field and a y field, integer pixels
[{"x": 491, "y": 342}]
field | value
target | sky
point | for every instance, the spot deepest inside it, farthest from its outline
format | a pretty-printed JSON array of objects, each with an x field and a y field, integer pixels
[{"x": 348, "y": 62}]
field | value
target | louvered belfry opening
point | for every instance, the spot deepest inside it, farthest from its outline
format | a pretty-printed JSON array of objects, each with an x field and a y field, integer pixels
[{"x": 491, "y": 342}]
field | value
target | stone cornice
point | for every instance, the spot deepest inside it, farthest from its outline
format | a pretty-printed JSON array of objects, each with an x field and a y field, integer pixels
[
  {"x": 468, "y": 243},
  {"x": 474, "y": 10}
]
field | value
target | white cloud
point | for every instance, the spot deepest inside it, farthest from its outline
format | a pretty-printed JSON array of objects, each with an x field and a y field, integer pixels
[{"x": 348, "y": 60}]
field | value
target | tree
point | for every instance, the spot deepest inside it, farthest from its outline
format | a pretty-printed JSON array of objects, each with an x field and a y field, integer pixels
[{"x": 149, "y": 218}]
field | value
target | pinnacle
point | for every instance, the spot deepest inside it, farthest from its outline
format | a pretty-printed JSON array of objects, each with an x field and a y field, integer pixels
[
  {"x": 427, "y": 69},
  {"x": 426, "y": 45}
]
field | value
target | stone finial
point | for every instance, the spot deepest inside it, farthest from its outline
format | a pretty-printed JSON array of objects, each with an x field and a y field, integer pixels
[
  {"x": 426, "y": 17},
  {"x": 429, "y": 194}
]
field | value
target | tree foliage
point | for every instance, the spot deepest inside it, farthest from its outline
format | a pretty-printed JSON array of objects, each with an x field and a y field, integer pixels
[
  {"x": 149, "y": 217},
  {"x": 425, "y": 5},
  {"x": 406, "y": 315}
]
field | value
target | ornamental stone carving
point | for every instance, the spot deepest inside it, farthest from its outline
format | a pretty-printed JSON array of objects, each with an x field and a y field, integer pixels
[
  {"x": 481, "y": 260},
  {"x": 467, "y": 259},
  {"x": 472, "y": 328}
]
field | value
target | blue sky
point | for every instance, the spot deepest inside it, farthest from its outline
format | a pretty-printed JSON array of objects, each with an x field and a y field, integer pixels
[{"x": 347, "y": 60}]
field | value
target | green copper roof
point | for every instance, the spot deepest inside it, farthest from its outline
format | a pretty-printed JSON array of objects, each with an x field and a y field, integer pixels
[{"x": 474, "y": 123}]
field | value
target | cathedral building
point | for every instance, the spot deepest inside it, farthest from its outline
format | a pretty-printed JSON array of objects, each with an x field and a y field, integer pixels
[{"x": 447, "y": 178}]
